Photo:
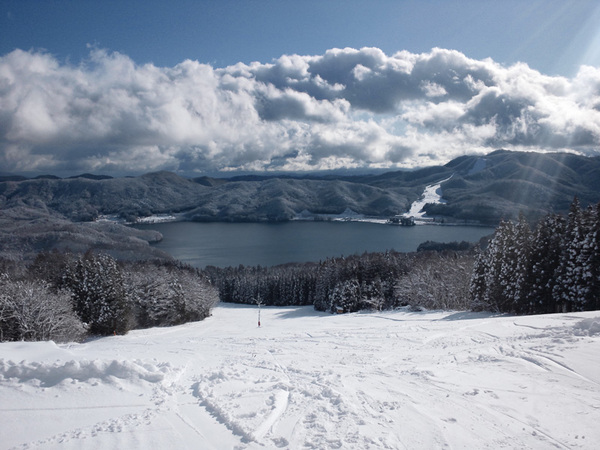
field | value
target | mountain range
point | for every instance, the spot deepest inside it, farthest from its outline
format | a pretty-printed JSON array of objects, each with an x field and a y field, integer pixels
[{"x": 48, "y": 212}]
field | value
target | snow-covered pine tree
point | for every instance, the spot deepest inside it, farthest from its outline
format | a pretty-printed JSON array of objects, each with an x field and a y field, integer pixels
[
  {"x": 478, "y": 284},
  {"x": 50, "y": 266},
  {"x": 566, "y": 290},
  {"x": 157, "y": 296},
  {"x": 327, "y": 278},
  {"x": 501, "y": 254},
  {"x": 587, "y": 262},
  {"x": 372, "y": 295},
  {"x": 594, "y": 262},
  {"x": 520, "y": 248},
  {"x": 346, "y": 295},
  {"x": 545, "y": 256},
  {"x": 99, "y": 293}
]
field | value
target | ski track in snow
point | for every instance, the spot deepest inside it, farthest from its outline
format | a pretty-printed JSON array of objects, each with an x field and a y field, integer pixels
[{"x": 395, "y": 380}]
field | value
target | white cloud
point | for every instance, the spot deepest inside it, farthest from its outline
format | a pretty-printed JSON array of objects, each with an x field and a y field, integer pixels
[
  {"x": 432, "y": 89},
  {"x": 347, "y": 107}
]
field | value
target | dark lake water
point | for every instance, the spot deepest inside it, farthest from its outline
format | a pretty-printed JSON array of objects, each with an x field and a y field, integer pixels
[{"x": 268, "y": 244}]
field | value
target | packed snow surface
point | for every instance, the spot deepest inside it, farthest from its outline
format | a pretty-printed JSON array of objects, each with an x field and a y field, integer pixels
[
  {"x": 478, "y": 166},
  {"x": 431, "y": 194},
  {"x": 400, "y": 380}
]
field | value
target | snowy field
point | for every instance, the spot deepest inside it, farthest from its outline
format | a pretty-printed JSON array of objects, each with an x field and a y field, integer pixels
[{"x": 312, "y": 380}]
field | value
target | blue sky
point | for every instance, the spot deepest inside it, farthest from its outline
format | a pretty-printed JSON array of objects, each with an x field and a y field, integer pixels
[
  {"x": 554, "y": 37},
  {"x": 213, "y": 86}
]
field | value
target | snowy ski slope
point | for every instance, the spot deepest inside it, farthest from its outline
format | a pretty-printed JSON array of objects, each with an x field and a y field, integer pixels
[{"x": 397, "y": 380}]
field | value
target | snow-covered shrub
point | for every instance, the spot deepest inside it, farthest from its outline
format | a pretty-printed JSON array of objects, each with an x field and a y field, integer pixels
[
  {"x": 199, "y": 295},
  {"x": 168, "y": 294},
  {"x": 31, "y": 311},
  {"x": 61, "y": 296},
  {"x": 437, "y": 281}
]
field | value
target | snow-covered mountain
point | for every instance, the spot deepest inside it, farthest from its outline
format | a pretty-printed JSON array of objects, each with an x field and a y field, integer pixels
[
  {"x": 488, "y": 189},
  {"x": 312, "y": 380},
  {"x": 501, "y": 185}
]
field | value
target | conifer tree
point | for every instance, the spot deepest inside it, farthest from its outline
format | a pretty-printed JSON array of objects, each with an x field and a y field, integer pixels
[
  {"x": 326, "y": 282},
  {"x": 499, "y": 273},
  {"x": 346, "y": 295},
  {"x": 499, "y": 280},
  {"x": 519, "y": 282},
  {"x": 478, "y": 284},
  {"x": 545, "y": 255},
  {"x": 566, "y": 290},
  {"x": 99, "y": 293},
  {"x": 594, "y": 262},
  {"x": 587, "y": 262}
]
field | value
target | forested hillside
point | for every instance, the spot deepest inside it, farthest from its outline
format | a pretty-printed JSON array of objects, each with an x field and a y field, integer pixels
[
  {"x": 487, "y": 188},
  {"x": 48, "y": 212},
  {"x": 504, "y": 184}
]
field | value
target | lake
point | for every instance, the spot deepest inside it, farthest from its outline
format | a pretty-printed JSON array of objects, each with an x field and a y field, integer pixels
[{"x": 268, "y": 244}]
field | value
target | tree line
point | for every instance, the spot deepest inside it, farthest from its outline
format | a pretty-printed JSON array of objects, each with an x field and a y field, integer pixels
[
  {"x": 553, "y": 268},
  {"x": 430, "y": 279},
  {"x": 65, "y": 297},
  {"x": 350, "y": 283}
]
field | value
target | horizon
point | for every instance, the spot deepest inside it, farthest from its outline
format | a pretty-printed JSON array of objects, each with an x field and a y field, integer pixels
[
  {"x": 341, "y": 172},
  {"x": 231, "y": 88}
]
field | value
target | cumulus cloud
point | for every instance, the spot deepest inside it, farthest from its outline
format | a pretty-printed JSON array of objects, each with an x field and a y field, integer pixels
[{"x": 345, "y": 108}]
